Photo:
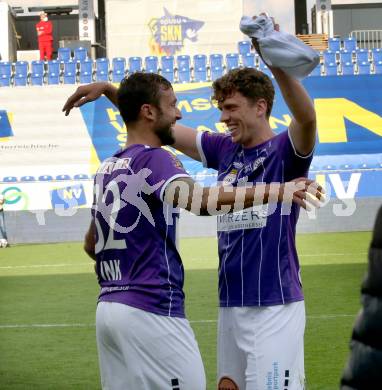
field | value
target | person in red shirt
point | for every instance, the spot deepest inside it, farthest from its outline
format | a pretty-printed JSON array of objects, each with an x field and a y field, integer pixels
[{"x": 45, "y": 38}]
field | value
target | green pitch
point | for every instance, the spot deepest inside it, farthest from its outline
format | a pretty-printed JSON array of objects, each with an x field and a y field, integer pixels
[{"x": 48, "y": 299}]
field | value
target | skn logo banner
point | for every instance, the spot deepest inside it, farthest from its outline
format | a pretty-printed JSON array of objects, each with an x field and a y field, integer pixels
[{"x": 169, "y": 32}]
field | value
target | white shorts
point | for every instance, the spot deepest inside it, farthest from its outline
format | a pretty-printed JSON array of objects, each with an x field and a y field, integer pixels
[
  {"x": 139, "y": 350},
  {"x": 262, "y": 348}
]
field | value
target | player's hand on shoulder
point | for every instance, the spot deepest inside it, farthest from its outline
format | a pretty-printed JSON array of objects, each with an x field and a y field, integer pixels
[
  {"x": 302, "y": 191},
  {"x": 85, "y": 94}
]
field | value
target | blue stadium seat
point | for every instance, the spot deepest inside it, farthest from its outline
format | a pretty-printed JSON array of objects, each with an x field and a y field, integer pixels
[
  {"x": 135, "y": 64},
  {"x": 45, "y": 178},
  {"x": 20, "y": 80},
  {"x": 363, "y": 67},
  {"x": 183, "y": 61},
  {"x": 200, "y": 74},
  {"x": 346, "y": 56},
  {"x": 102, "y": 69},
  {"x": 86, "y": 66},
  {"x": 331, "y": 69},
  {"x": 168, "y": 74},
  {"x": 102, "y": 64},
  {"x": 9, "y": 179},
  {"x": 216, "y": 72},
  {"x": 184, "y": 75},
  {"x": 70, "y": 67},
  {"x": 5, "y": 81},
  {"x": 118, "y": 70},
  {"x": 350, "y": 44},
  {"x": 378, "y": 67},
  {"x": 316, "y": 71},
  {"x": 5, "y": 68},
  {"x": 249, "y": 60},
  {"x": 53, "y": 78},
  {"x": 347, "y": 69},
  {"x": 54, "y": 67},
  {"x": 27, "y": 178},
  {"x": 377, "y": 55},
  {"x": 80, "y": 54},
  {"x": 101, "y": 75},
  {"x": 151, "y": 64},
  {"x": 362, "y": 55},
  {"x": 21, "y": 67},
  {"x": 216, "y": 61},
  {"x": 69, "y": 78},
  {"x": 329, "y": 57},
  {"x": 117, "y": 76},
  {"x": 64, "y": 54},
  {"x": 232, "y": 61},
  {"x": 80, "y": 176},
  {"x": 167, "y": 62},
  {"x": 118, "y": 63},
  {"x": 21, "y": 73},
  {"x": 85, "y": 78},
  {"x": 37, "y": 67},
  {"x": 63, "y": 177},
  {"x": 37, "y": 79},
  {"x": 86, "y": 71},
  {"x": 334, "y": 44},
  {"x": 199, "y": 61},
  {"x": 244, "y": 47}
]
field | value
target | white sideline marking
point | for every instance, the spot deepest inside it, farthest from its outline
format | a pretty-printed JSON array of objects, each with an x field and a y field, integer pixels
[
  {"x": 80, "y": 264},
  {"x": 74, "y": 325},
  {"x": 43, "y": 265},
  {"x": 333, "y": 254}
]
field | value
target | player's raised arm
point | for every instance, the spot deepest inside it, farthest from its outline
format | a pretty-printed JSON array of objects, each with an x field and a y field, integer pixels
[
  {"x": 303, "y": 126},
  {"x": 90, "y": 92},
  {"x": 185, "y": 137},
  {"x": 189, "y": 195}
]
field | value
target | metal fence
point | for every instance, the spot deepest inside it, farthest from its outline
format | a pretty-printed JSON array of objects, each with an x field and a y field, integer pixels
[{"x": 368, "y": 39}]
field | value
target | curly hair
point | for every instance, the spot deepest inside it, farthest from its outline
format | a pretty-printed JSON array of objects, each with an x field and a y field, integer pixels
[
  {"x": 138, "y": 89},
  {"x": 251, "y": 83}
]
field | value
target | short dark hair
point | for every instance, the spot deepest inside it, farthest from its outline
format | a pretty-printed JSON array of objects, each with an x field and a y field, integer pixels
[
  {"x": 138, "y": 89},
  {"x": 251, "y": 83}
]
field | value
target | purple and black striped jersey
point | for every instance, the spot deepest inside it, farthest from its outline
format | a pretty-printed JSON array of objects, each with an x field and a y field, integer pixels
[
  {"x": 138, "y": 263},
  {"x": 258, "y": 262}
]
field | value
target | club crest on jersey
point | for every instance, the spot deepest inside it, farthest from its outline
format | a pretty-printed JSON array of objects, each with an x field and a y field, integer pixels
[
  {"x": 176, "y": 161},
  {"x": 230, "y": 177}
]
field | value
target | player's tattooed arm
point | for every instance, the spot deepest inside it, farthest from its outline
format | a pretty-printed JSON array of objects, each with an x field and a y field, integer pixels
[
  {"x": 191, "y": 196},
  {"x": 90, "y": 241}
]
